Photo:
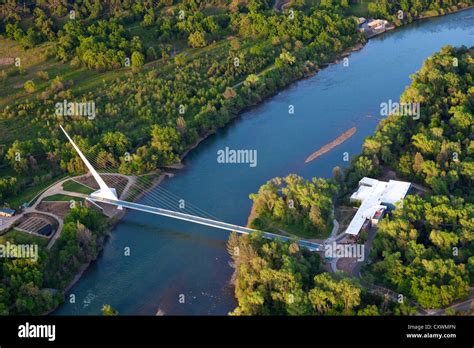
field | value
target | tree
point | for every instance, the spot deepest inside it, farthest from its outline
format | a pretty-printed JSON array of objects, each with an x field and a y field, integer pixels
[
  {"x": 166, "y": 144},
  {"x": 29, "y": 86},
  {"x": 443, "y": 240},
  {"x": 418, "y": 163},
  {"x": 181, "y": 125},
  {"x": 137, "y": 60},
  {"x": 315, "y": 216},
  {"x": 330, "y": 296},
  {"x": 337, "y": 174},
  {"x": 116, "y": 142},
  {"x": 8, "y": 187},
  {"x": 229, "y": 93},
  {"x": 251, "y": 80},
  {"x": 149, "y": 18},
  {"x": 287, "y": 57},
  {"x": 197, "y": 39},
  {"x": 180, "y": 59},
  {"x": 18, "y": 154}
]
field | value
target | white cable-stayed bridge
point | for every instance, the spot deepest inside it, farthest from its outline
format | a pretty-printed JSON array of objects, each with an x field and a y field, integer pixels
[{"x": 108, "y": 195}]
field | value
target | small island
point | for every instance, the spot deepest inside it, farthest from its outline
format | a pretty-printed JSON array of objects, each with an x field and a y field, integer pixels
[
  {"x": 328, "y": 147},
  {"x": 294, "y": 207}
]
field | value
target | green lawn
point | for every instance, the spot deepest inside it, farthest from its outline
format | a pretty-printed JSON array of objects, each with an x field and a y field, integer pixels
[
  {"x": 36, "y": 59},
  {"x": 62, "y": 198},
  {"x": 292, "y": 231},
  {"x": 360, "y": 9},
  {"x": 19, "y": 237},
  {"x": 73, "y": 186},
  {"x": 26, "y": 195}
]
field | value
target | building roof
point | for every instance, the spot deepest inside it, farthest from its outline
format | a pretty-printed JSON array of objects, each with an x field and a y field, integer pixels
[
  {"x": 362, "y": 193},
  {"x": 375, "y": 195},
  {"x": 365, "y": 181},
  {"x": 361, "y": 216},
  {"x": 7, "y": 211},
  {"x": 377, "y": 22},
  {"x": 395, "y": 191}
]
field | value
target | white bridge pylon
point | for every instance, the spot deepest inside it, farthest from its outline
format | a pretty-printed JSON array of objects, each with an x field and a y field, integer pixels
[
  {"x": 104, "y": 191},
  {"x": 108, "y": 195}
]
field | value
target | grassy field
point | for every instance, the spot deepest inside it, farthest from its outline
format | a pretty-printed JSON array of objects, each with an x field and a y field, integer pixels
[
  {"x": 31, "y": 61},
  {"x": 360, "y": 9},
  {"x": 292, "y": 231},
  {"x": 73, "y": 186},
  {"x": 38, "y": 59},
  {"x": 29, "y": 193},
  {"x": 62, "y": 198},
  {"x": 18, "y": 237}
]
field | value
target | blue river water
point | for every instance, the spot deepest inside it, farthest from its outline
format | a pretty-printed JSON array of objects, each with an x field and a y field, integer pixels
[{"x": 170, "y": 260}]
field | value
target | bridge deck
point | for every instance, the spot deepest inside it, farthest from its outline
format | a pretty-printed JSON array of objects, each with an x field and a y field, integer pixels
[{"x": 203, "y": 221}]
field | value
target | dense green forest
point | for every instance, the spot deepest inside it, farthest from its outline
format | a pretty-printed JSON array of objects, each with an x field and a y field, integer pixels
[
  {"x": 294, "y": 205},
  {"x": 424, "y": 248},
  {"x": 413, "y": 9},
  {"x": 276, "y": 278},
  {"x": 171, "y": 73},
  {"x": 437, "y": 149},
  {"x": 31, "y": 287}
]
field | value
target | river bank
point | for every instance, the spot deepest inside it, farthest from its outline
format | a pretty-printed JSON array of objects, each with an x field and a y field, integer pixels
[
  {"x": 336, "y": 59},
  {"x": 113, "y": 222}
]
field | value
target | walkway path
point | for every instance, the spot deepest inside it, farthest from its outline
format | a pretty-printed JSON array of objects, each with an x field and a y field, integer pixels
[
  {"x": 57, "y": 189},
  {"x": 333, "y": 238},
  {"x": 200, "y": 220},
  {"x": 457, "y": 306},
  {"x": 280, "y": 5}
]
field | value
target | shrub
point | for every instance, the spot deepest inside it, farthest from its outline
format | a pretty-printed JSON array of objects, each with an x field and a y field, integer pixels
[{"x": 29, "y": 86}]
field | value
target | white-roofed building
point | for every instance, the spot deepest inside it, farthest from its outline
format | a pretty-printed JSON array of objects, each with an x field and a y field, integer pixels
[
  {"x": 375, "y": 198},
  {"x": 395, "y": 192},
  {"x": 365, "y": 181},
  {"x": 361, "y": 194}
]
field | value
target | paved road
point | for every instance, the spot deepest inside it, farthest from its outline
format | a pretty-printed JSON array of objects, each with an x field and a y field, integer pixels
[
  {"x": 463, "y": 306},
  {"x": 280, "y": 5},
  {"x": 367, "y": 245},
  {"x": 333, "y": 237}
]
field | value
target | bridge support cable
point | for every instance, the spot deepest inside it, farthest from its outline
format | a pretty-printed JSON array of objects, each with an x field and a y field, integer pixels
[
  {"x": 158, "y": 195},
  {"x": 207, "y": 222},
  {"x": 196, "y": 208},
  {"x": 174, "y": 199},
  {"x": 108, "y": 195}
]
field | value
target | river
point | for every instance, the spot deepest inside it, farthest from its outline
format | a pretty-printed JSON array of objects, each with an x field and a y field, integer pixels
[{"x": 171, "y": 258}]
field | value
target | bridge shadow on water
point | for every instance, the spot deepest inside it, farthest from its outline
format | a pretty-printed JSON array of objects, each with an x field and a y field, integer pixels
[{"x": 174, "y": 229}]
